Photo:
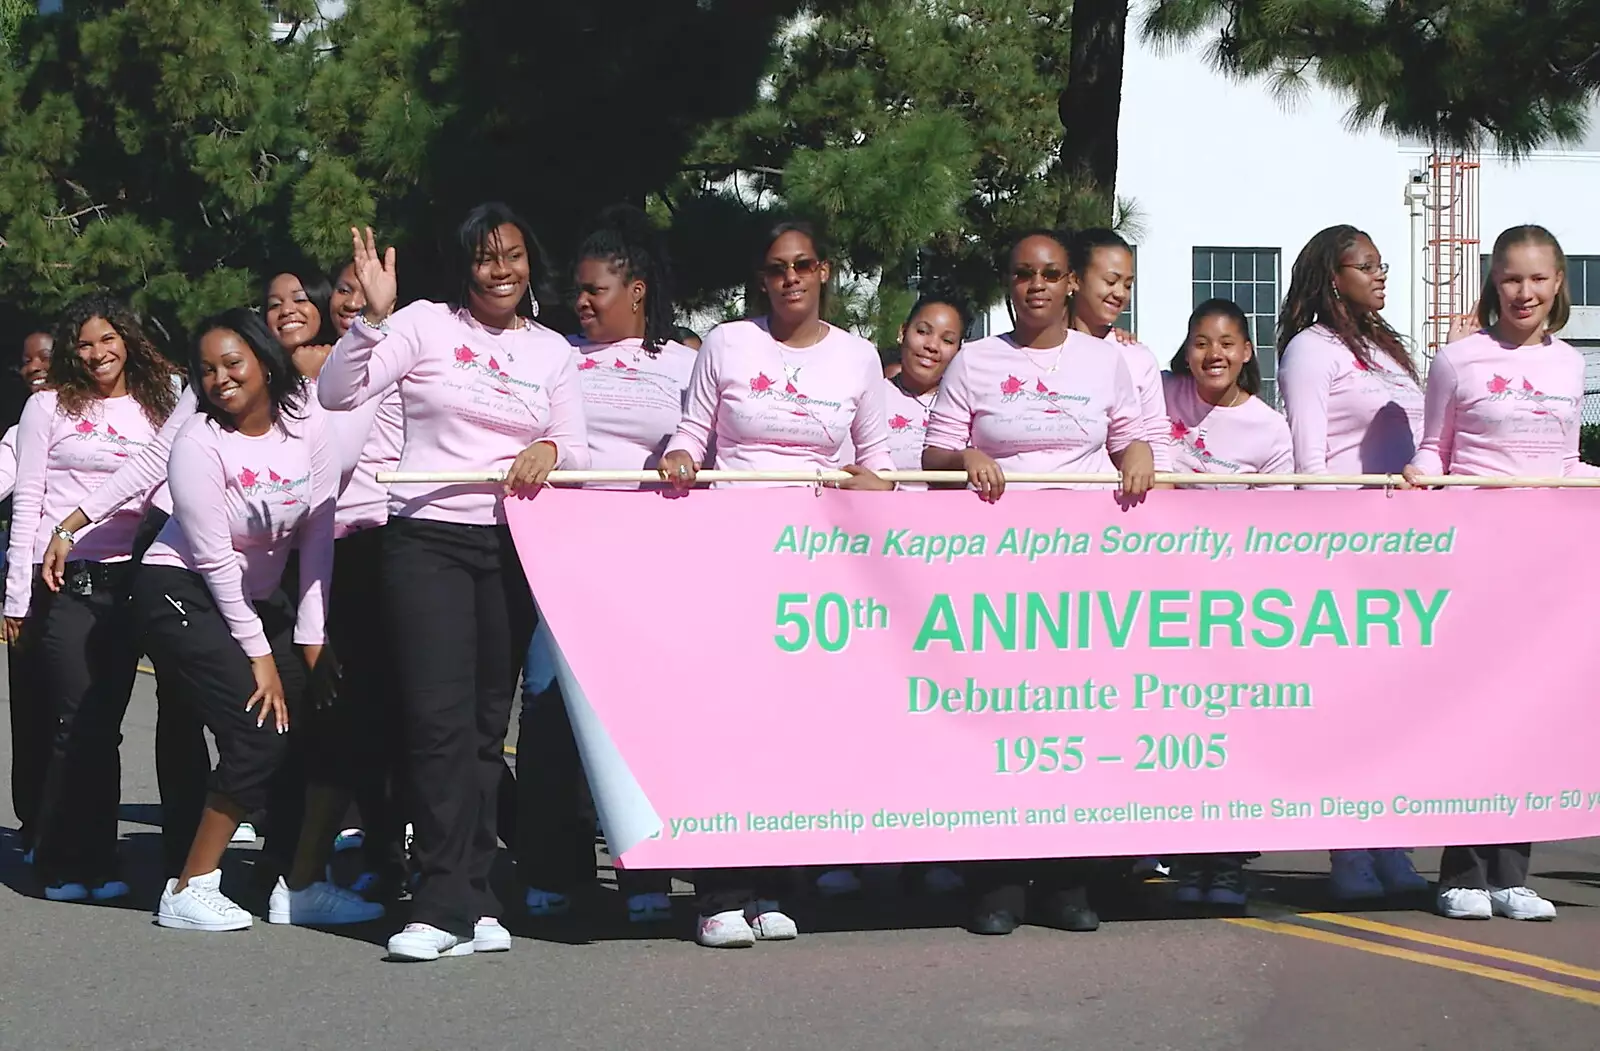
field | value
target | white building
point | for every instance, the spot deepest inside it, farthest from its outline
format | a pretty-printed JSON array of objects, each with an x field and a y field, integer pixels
[{"x": 1230, "y": 183}]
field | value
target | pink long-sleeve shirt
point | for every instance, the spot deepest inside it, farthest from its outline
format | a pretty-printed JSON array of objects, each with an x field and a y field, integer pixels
[
  {"x": 632, "y": 401},
  {"x": 60, "y": 461},
  {"x": 8, "y": 462},
  {"x": 1248, "y": 438},
  {"x": 240, "y": 503},
  {"x": 368, "y": 439},
  {"x": 1346, "y": 418},
  {"x": 1500, "y": 411},
  {"x": 1146, "y": 374},
  {"x": 775, "y": 408},
  {"x": 1004, "y": 402},
  {"x": 472, "y": 398},
  {"x": 908, "y": 428},
  {"x": 143, "y": 476}
]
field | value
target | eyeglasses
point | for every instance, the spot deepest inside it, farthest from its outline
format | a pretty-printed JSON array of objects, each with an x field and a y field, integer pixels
[
  {"x": 1028, "y": 273},
  {"x": 777, "y": 269},
  {"x": 1367, "y": 268}
]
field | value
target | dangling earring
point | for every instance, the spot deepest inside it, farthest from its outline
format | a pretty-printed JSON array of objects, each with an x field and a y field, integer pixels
[
  {"x": 533, "y": 304},
  {"x": 1336, "y": 295},
  {"x": 635, "y": 306}
]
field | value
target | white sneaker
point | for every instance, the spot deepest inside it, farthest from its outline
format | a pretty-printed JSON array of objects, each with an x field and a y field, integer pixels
[
  {"x": 1353, "y": 877},
  {"x": 490, "y": 935},
  {"x": 419, "y": 941},
  {"x": 836, "y": 882},
  {"x": 201, "y": 906},
  {"x": 1465, "y": 903},
  {"x": 1520, "y": 903},
  {"x": 768, "y": 923},
  {"x": 319, "y": 905},
  {"x": 1396, "y": 872},
  {"x": 245, "y": 833},
  {"x": 725, "y": 930}
]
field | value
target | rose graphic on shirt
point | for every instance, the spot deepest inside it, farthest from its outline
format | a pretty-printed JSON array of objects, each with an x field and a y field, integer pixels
[
  {"x": 291, "y": 488},
  {"x": 761, "y": 384},
  {"x": 898, "y": 422},
  {"x": 1010, "y": 386},
  {"x": 1536, "y": 401},
  {"x": 1195, "y": 447},
  {"x": 1179, "y": 430},
  {"x": 500, "y": 381},
  {"x": 588, "y": 363},
  {"x": 87, "y": 430}
]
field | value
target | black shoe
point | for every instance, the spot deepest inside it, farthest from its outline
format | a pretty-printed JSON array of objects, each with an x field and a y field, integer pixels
[
  {"x": 998, "y": 922},
  {"x": 1066, "y": 910}
]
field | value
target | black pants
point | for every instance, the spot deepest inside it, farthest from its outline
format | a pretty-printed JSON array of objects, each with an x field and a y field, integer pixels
[
  {"x": 209, "y": 673},
  {"x": 555, "y": 835},
  {"x": 365, "y": 717},
  {"x": 30, "y": 734},
  {"x": 183, "y": 762},
  {"x": 723, "y": 890},
  {"x": 1485, "y": 868},
  {"x": 460, "y": 617},
  {"x": 87, "y": 656},
  {"x": 1003, "y": 885}
]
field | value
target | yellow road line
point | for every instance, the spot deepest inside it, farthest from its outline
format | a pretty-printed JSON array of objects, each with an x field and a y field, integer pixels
[
  {"x": 1446, "y": 963},
  {"x": 1544, "y": 963}
]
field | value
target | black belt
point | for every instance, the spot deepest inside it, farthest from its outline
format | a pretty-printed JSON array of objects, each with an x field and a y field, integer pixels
[{"x": 87, "y": 578}]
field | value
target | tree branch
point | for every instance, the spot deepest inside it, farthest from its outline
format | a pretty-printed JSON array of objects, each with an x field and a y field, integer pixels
[
  {"x": 98, "y": 209},
  {"x": 731, "y": 167}
]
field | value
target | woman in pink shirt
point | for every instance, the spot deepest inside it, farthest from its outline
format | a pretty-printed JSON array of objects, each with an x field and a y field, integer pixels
[
  {"x": 482, "y": 387},
  {"x": 1102, "y": 287},
  {"x": 783, "y": 392},
  {"x": 787, "y": 391},
  {"x": 929, "y": 341},
  {"x": 1042, "y": 398},
  {"x": 1350, "y": 392},
  {"x": 110, "y": 390},
  {"x": 1506, "y": 401},
  {"x": 634, "y": 377},
  {"x": 251, "y": 477},
  {"x": 1216, "y": 420}
]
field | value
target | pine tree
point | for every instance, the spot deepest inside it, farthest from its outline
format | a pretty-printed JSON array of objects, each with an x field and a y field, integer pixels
[
  {"x": 147, "y": 147},
  {"x": 921, "y": 134},
  {"x": 1460, "y": 75}
]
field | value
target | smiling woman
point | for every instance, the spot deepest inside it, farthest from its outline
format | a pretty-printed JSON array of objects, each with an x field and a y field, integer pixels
[
  {"x": 109, "y": 391},
  {"x": 482, "y": 387},
  {"x": 299, "y": 315},
  {"x": 252, "y": 477}
]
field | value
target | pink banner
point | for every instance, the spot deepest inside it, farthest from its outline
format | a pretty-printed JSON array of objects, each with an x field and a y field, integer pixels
[{"x": 792, "y": 677}]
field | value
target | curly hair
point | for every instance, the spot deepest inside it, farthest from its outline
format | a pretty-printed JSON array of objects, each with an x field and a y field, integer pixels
[
  {"x": 1312, "y": 300},
  {"x": 148, "y": 373}
]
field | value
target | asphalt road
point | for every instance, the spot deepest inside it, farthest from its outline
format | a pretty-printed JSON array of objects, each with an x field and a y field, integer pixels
[{"x": 1291, "y": 976}]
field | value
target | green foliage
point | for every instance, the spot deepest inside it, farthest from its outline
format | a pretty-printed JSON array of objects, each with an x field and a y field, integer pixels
[
  {"x": 920, "y": 133},
  {"x": 1460, "y": 75},
  {"x": 148, "y": 147},
  {"x": 1589, "y": 443}
]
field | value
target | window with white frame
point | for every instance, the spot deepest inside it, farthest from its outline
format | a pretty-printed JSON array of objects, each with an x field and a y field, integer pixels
[{"x": 1249, "y": 277}]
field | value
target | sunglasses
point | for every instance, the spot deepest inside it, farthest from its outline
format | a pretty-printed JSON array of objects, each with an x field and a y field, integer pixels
[
  {"x": 1027, "y": 273},
  {"x": 776, "y": 269}
]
